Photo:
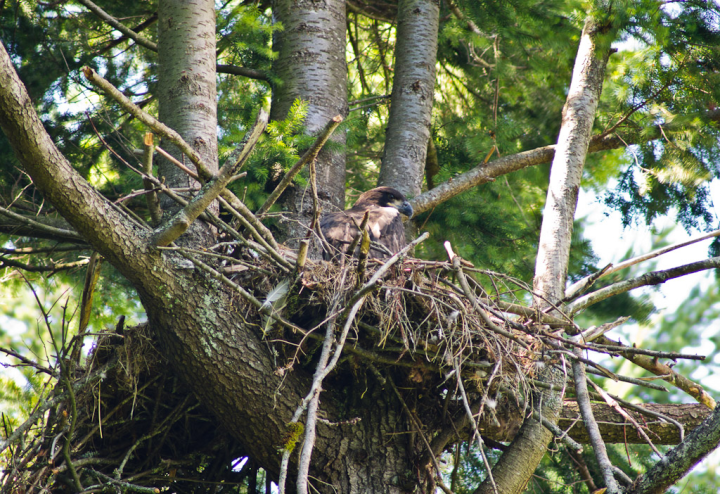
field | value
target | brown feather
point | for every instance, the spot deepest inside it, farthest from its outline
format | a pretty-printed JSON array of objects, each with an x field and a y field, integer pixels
[{"x": 384, "y": 222}]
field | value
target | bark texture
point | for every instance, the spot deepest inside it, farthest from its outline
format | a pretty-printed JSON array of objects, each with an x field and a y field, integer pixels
[
  {"x": 681, "y": 459},
  {"x": 528, "y": 448},
  {"x": 186, "y": 86},
  {"x": 411, "y": 103},
  {"x": 577, "y": 119},
  {"x": 311, "y": 64}
]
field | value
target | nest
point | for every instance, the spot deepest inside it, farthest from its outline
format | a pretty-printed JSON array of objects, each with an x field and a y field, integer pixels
[{"x": 415, "y": 324}]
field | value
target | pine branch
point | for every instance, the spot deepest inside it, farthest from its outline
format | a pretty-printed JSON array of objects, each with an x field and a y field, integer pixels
[{"x": 306, "y": 158}]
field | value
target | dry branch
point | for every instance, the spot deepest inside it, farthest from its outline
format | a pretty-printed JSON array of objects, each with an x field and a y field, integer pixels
[
  {"x": 586, "y": 282},
  {"x": 598, "y": 446},
  {"x": 306, "y": 158},
  {"x": 151, "y": 198},
  {"x": 67, "y": 235},
  {"x": 648, "y": 279},
  {"x": 151, "y": 45},
  {"x": 182, "y": 220}
]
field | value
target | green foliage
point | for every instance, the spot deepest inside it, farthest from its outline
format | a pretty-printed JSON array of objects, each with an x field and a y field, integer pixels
[
  {"x": 499, "y": 90},
  {"x": 669, "y": 81}
]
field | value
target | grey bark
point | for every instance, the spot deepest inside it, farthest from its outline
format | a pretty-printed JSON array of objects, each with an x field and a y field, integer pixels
[
  {"x": 408, "y": 130},
  {"x": 682, "y": 459},
  {"x": 186, "y": 90},
  {"x": 529, "y": 446},
  {"x": 577, "y": 119},
  {"x": 311, "y": 64}
]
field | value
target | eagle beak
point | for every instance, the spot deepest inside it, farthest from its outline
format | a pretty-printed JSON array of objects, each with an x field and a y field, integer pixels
[{"x": 406, "y": 209}]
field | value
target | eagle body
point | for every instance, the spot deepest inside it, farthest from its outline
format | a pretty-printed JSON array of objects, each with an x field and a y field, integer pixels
[{"x": 384, "y": 206}]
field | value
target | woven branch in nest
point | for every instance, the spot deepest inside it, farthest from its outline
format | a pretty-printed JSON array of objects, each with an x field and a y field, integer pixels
[{"x": 130, "y": 422}]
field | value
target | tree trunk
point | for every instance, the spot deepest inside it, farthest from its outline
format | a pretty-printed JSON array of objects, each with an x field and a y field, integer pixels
[
  {"x": 566, "y": 172},
  {"x": 517, "y": 464},
  {"x": 311, "y": 63},
  {"x": 412, "y": 96},
  {"x": 187, "y": 92}
]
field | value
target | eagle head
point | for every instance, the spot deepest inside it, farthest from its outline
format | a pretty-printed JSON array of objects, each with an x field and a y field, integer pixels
[{"x": 385, "y": 197}]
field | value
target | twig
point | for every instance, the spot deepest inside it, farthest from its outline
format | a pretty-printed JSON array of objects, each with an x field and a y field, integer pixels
[
  {"x": 140, "y": 40},
  {"x": 44, "y": 405},
  {"x": 596, "y": 331},
  {"x": 243, "y": 71},
  {"x": 125, "y": 485},
  {"x": 244, "y": 293},
  {"x": 372, "y": 282},
  {"x": 479, "y": 310},
  {"x": 5, "y": 262},
  {"x": 615, "y": 406},
  {"x": 651, "y": 353},
  {"x": 177, "y": 163},
  {"x": 151, "y": 198},
  {"x": 363, "y": 224},
  {"x": 182, "y": 220},
  {"x": 630, "y": 380},
  {"x": 309, "y": 155},
  {"x": 581, "y": 392},
  {"x": 150, "y": 45},
  {"x": 576, "y": 287},
  {"x": 27, "y": 362},
  {"x": 238, "y": 209},
  {"x": 204, "y": 171},
  {"x": 70, "y": 431},
  {"x": 68, "y": 234},
  {"x": 42, "y": 250},
  {"x": 323, "y": 369},
  {"x": 471, "y": 417}
]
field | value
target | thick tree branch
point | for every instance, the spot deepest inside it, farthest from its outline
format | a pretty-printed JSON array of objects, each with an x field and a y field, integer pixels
[
  {"x": 663, "y": 371},
  {"x": 482, "y": 174},
  {"x": 681, "y": 459}
]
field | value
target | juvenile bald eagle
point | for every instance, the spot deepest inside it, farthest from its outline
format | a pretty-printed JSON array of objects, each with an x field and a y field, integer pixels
[{"x": 384, "y": 205}]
